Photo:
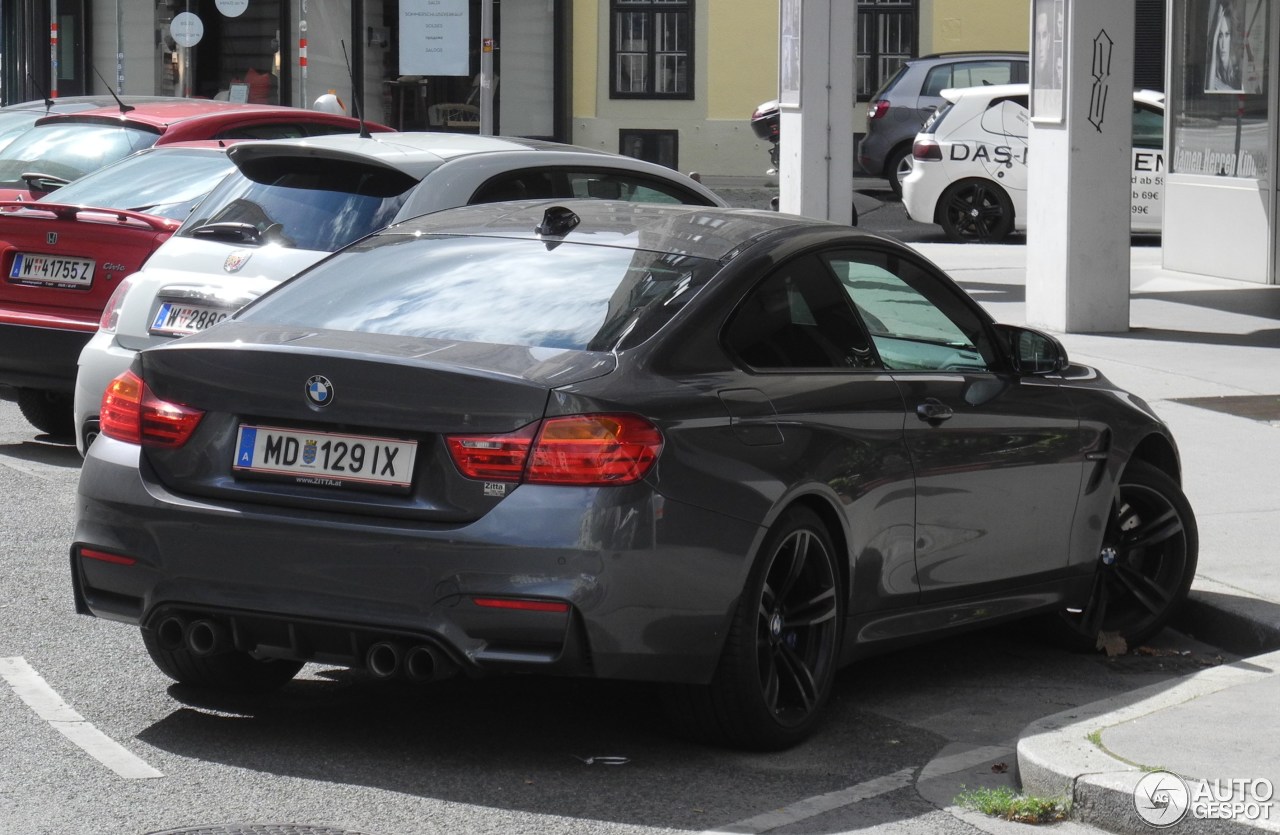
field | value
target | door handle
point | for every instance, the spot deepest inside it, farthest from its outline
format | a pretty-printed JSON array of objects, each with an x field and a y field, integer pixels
[{"x": 934, "y": 411}]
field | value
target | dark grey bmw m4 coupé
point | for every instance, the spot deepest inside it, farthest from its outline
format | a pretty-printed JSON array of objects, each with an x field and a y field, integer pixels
[{"x": 724, "y": 450}]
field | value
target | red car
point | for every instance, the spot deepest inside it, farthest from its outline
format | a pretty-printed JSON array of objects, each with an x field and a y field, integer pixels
[
  {"x": 64, "y": 147},
  {"x": 62, "y": 256}
]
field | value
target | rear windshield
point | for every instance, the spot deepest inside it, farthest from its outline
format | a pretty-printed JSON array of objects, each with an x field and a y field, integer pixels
[
  {"x": 166, "y": 182},
  {"x": 68, "y": 151},
  {"x": 319, "y": 205},
  {"x": 494, "y": 290}
]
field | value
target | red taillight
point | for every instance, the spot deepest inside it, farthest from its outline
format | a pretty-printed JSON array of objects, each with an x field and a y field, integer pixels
[
  {"x": 594, "y": 449},
  {"x": 579, "y": 449},
  {"x": 130, "y": 412},
  {"x": 877, "y": 109},
  {"x": 522, "y": 604},
  {"x": 926, "y": 149},
  {"x": 104, "y": 556},
  {"x": 111, "y": 313},
  {"x": 493, "y": 457}
]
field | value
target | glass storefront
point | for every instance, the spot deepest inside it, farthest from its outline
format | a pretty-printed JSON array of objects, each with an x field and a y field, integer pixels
[
  {"x": 1220, "y": 197},
  {"x": 1220, "y": 124}
]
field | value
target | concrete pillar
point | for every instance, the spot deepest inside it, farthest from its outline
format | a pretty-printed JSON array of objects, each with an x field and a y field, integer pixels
[
  {"x": 1079, "y": 167},
  {"x": 815, "y": 164}
]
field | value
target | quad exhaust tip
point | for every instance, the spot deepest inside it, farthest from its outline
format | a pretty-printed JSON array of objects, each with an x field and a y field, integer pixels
[{"x": 420, "y": 662}]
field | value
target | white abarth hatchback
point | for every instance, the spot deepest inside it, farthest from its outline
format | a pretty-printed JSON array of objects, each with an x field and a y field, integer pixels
[
  {"x": 970, "y": 169},
  {"x": 291, "y": 203}
]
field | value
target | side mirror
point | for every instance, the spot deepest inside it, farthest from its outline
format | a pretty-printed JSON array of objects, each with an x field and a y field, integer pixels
[{"x": 1033, "y": 352}]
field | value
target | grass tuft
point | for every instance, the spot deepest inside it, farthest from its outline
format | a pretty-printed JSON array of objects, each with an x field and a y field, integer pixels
[{"x": 1008, "y": 804}]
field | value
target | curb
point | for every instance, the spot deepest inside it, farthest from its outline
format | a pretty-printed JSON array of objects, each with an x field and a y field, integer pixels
[
  {"x": 1056, "y": 757},
  {"x": 1231, "y": 618}
]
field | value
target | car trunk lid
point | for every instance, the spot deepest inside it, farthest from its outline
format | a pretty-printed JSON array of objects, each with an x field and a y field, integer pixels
[{"x": 309, "y": 419}]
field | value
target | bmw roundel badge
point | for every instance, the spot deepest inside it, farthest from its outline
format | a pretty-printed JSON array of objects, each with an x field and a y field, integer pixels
[{"x": 320, "y": 390}]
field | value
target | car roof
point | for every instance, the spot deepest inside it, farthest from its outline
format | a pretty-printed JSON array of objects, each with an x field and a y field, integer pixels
[
  {"x": 943, "y": 57},
  {"x": 710, "y": 232},
  {"x": 159, "y": 116},
  {"x": 995, "y": 91},
  {"x": 71, "y": 104},
  {"x": 987, "y": 91},
  {"x": 419, "y": 153}
]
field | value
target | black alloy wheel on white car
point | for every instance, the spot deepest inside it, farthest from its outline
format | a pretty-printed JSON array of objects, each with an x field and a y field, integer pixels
[{"x": 975, "y": 210}]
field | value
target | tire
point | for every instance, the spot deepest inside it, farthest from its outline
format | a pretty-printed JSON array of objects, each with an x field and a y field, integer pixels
[
  {"x": 1146, "y": 565},
  {"x": 49, "y": 411},
  {"x": 897, "y": 166},
  {"x": 975, "y": 210},
  {"x": 230, "y": 671},
  {"x": 776, "y": 670}
]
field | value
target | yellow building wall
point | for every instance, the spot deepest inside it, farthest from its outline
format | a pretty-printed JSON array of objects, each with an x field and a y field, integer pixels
[
  {"x": 742, "y": 56},
  {"x": 736, "y": 68},
  {"x": 587, "y": 56},
  {"x": 958, "y": 25}
]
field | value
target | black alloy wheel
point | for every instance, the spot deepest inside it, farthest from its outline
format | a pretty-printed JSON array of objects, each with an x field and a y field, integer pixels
[
  {"x": 975, "y": 210},
  {"x": 779, "y": 660},
  {"x": 1145, "y": 565}
]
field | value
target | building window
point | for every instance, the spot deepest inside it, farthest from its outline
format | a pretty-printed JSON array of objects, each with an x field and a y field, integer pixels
[
  {"x": 886, "y": 37},
  {"x": 660, "y": 146},
  {"x": 651, "y": 49}
]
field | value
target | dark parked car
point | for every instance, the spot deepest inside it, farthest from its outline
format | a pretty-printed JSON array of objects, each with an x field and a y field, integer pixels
[
  {"x": 911, "y": 95},
  {"x": 721, "y": 449}
]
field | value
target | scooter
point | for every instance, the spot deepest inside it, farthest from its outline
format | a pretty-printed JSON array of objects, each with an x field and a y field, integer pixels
[{"x": 764, "y": 123}]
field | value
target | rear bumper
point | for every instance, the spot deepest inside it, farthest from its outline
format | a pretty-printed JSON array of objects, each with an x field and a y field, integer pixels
[
  {"x": 100, "y": 361},
  {"x": 40, "y": 357},
  {"x": 921, "y": 190},
  {"x": 650, "y": 584}
]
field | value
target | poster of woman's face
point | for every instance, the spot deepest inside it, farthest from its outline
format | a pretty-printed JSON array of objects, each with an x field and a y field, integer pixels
[
  {"x": 1047, "y": 70},
  {"x": 1224, "y": 55}
]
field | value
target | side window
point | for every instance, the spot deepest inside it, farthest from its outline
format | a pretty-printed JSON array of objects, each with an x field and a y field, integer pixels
[
  {"x": 265, "y": 130},
  {"x": 1007, "y": 117},
  {"x": 520, "y": 185},
  {"x": 798, "y": 318},
  {"x": 1148, "y": 127},
  {"x": 635, "y": 188},
  {"x": 980, "y": 73},
  {"x": 938, "y": 79},
  {"x": 916, "y": 322}
]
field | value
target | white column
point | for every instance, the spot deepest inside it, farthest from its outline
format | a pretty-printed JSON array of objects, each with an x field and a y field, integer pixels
[
  {"x": 1079, "y": 168},
  {"x": 815, "y": 164}
]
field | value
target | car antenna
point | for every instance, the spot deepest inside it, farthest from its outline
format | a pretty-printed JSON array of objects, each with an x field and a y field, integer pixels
[
  {"x": 355, "y": 94},
  {"x": 48, "y": 102},
  {"x": 124, "y": 108}
]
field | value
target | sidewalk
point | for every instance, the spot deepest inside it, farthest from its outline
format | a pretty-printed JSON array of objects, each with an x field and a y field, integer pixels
[{"x": 1203, "y": 352}]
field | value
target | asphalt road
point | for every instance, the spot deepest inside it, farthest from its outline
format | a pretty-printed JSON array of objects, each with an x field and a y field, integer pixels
[{"x": 95, "y": 741}]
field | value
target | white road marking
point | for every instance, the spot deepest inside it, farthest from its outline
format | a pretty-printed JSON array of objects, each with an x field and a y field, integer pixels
[
  {"x": 821, "y": 804},
  {"x": 49, "y": 706}
]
